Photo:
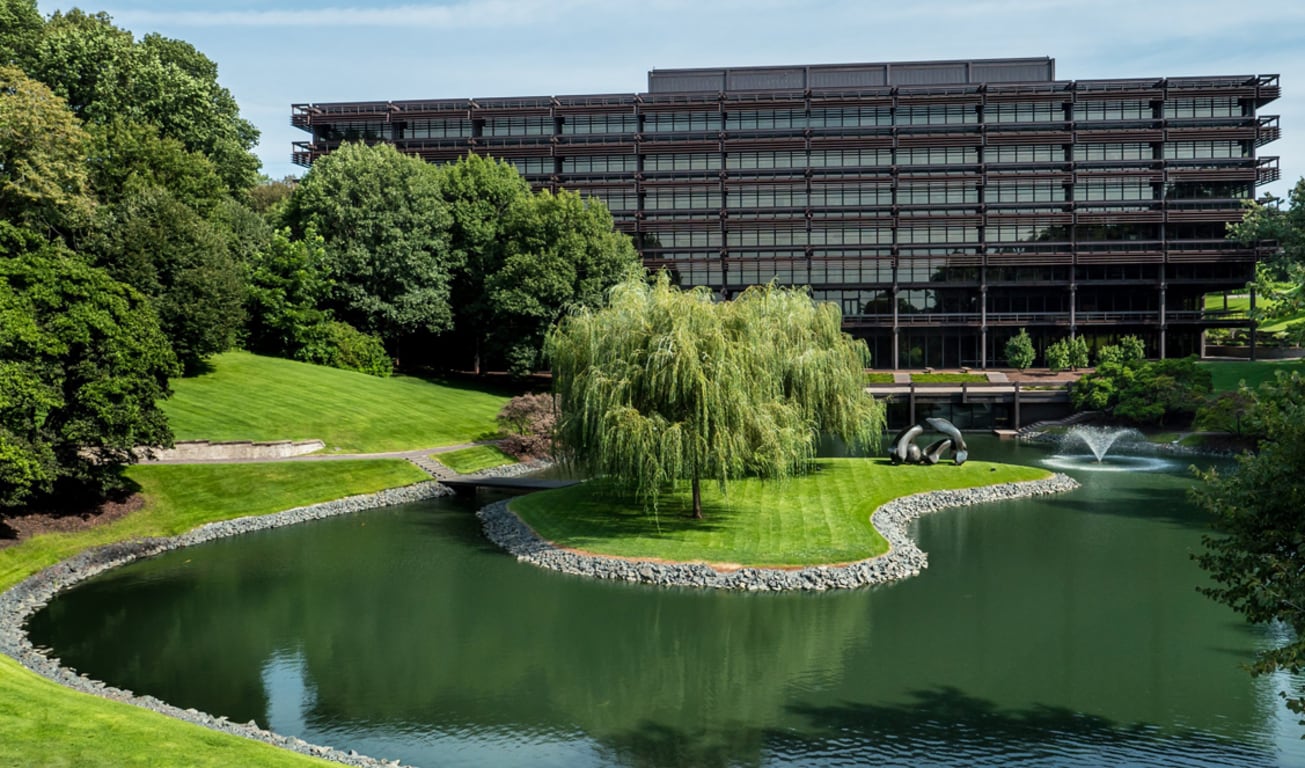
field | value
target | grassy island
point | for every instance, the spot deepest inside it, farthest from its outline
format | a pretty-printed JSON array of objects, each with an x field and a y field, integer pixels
[{"x": 819, "y": 518}]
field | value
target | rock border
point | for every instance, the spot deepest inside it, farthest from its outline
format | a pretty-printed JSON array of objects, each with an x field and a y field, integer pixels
[
  {"x": 903, "y": 559},
  {"x": 20, "y": 602}
]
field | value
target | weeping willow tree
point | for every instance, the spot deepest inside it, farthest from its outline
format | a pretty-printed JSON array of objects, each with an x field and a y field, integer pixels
[{"x": 664, "y": 386}]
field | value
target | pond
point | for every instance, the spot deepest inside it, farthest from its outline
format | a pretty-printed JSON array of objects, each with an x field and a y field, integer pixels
[{"x": 1064, "y": 631}]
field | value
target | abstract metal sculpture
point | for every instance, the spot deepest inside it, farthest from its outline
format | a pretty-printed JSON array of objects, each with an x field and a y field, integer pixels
[{"x": 903, "y": 449}]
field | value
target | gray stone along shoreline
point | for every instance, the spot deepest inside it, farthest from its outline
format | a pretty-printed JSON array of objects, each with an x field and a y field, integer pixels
[
  {"x": 27, "y": 597},
  {"x": 903, "y": 559}
]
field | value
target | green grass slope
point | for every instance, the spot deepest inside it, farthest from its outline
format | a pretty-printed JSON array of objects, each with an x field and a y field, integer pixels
[
  {"x": 248, "y": 397},
  {"x": 1226, "y": 374},
  {"x": 44, "y": 724},
  {"x": 819, "y": 518}
]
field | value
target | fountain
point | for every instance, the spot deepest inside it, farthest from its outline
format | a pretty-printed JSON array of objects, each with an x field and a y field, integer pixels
[{"x": 1099, "y": 442}]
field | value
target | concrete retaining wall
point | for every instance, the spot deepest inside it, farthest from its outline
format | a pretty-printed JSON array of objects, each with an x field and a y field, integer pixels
[{"x": 204, "y": 450}]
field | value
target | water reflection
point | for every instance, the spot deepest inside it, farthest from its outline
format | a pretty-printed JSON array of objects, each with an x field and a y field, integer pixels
[{"x": 1060, "y": 631}]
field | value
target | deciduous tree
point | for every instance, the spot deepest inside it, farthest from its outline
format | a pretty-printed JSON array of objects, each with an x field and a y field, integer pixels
[
  {"x": 82, "y": 368},
  {"x": 666, "y": 385},
  {"x": 1257, "y": 556},
  {"x": 385, "y": 227},
  {"x": 43, "y": 180}
]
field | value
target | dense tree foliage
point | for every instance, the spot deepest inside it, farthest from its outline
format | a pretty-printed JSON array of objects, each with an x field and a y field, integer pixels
[
  {"x": 105, "y": 75},
  {"x": 1019, "y": 350},
  {"x": 166, "y": 250},
  {"x": 1279, "y": 280},
  {"x": 20, "y": 30},
  {"x": 666, "y": 385},
  {"x": 524, "y": 258},
  {"x": 82, "y": 366},
  {"x": 1257, "y": 557},
  {"x": 1144, "y": 392},
  {"x": 562, "y": 251},
  {"x": 385, "y": 227},
  {"x": 43, "y": 178}
]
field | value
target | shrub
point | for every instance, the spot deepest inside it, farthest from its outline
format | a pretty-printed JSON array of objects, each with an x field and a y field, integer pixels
[
  {"x": 529, "y": 421},
  {"x": 340, "y": 345},
  {"x": 1145, "y": 392},
  {"x": 1019, "y": 350}
]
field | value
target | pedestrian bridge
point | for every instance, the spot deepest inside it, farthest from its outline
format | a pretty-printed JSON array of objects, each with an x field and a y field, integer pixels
[{"x": 468, "y": 485}]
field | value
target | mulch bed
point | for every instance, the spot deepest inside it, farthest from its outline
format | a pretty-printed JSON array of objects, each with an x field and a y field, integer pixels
[{"x": 14, "y": 530}]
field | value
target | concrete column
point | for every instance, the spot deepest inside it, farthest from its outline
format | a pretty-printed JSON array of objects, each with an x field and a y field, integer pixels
[
  {"x": 896, "y": 356},
  {"x": 983, "y": 327},
  {"x": 1253, "y": 325},
  {"x": 1163, "y": 324}
]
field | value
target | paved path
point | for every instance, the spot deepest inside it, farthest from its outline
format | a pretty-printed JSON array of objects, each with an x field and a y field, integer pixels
[{"x": 420, "y": 457}]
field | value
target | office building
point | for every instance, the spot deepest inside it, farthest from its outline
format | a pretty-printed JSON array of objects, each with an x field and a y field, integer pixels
[{"x": 942, "y": 205}]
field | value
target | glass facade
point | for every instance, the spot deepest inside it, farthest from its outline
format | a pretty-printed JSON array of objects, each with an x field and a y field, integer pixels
[{"x": 940, "y": 218}]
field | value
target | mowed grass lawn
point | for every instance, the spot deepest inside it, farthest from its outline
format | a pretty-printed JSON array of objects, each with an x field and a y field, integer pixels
[
  {"x": 44, "y": 724},
  {"x": 249, "y": 397},
  {"x": 468, "y": 460},
  {"x": 823, "y": 517},
  {"x": 1226, "y": 374}
]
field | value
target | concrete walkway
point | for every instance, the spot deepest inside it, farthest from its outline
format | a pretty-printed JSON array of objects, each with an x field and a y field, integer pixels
[{"x": 419, "y": 457}]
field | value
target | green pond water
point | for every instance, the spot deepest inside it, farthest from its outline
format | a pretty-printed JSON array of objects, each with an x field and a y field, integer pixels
[{"x": 1057, "y": 631}]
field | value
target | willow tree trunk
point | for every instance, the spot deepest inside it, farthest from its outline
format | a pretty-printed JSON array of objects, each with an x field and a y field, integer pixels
[{"x": 697, "y": 497}]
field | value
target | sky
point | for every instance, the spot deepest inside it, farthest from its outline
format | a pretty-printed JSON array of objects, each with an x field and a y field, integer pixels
[{"x": 274, "y": 53}]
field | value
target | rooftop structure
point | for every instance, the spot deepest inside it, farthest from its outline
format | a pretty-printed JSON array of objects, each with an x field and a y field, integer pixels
[{"x": 942, "y": 205}]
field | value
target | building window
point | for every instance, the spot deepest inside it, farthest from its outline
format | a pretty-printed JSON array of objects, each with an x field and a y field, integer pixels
[
  {"x": 1023, "y": 191},
  {"x": 857, "y": 117},
  {"x": 1121, "y": 151},
  {"x": 767, "y": 197},
  {"x": 1113, "y": 110},
  {"x": 1035, "y": 112},
  {"x": 681, "y": 199},
  {"x": 949, "y": 114},
  {"x": 662, "y": 122},
  {"x": 1225, "y": 106},
  {"x": 599, "y": 164},
  {"x": 1114, "y": 189},
  {"x": 532, "y": 166},
  {"x": 1189, "y": 150},
  {"x": 765, "y": 120},
  {"x": 518, "y": 126},
  {"x": 590, "y": 124},
  {"x": 758, "y": 160},
  {"x": 850, "y": 158},
  {"x": 437, "y": 129},
  {"x": 698, "y": 161},
  {"x": 834, "y": 196},
  {"x": 1025, "y": 153},
  {"x": 936, "y": 233},
  {"x": 356, "y": 130},
  {"x": 937, "y": 155},
  {"x": 923, "y": 194}
]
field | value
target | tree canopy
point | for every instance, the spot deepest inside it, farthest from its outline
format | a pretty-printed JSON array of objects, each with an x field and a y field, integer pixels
[
  {"x": 82, "y": 366},
  {"x": 385, "y": 227},
  {"x": 1257, "y": 556},
  {"x": 43, "y": 178},
  {"x": 664, "y": 385},
  {"x": 105, "y": 75}
]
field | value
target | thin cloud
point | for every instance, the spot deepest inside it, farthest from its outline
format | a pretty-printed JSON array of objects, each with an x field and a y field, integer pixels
[{"x": 463, "y": 15}]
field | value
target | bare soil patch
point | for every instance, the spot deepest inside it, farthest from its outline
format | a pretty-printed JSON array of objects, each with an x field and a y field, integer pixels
[{"x": 14, "y": 530}]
